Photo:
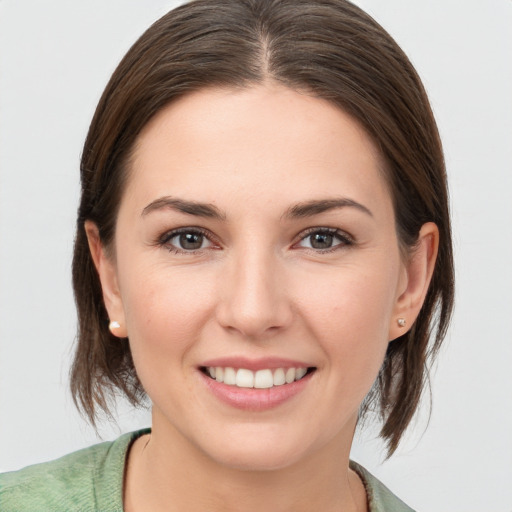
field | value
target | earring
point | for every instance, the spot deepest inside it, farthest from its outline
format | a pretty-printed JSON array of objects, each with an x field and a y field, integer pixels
[
  {"x": 401, "y": 322},
  {"x": 113, "y": 326}
]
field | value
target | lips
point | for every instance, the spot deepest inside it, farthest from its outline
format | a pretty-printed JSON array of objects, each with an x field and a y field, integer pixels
[{"x": 255, "y": 385}]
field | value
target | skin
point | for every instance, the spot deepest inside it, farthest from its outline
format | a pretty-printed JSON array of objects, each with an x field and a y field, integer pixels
[{"x": 256, "y": 288}]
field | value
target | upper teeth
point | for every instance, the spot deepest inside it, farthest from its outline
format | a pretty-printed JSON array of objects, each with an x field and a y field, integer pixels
[{"x": 260, "y": 379}]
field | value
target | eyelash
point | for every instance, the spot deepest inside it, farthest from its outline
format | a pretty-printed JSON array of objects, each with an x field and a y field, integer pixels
[
  {"x": 165, "y": 239},
  {"x": 345, "y": 240}
]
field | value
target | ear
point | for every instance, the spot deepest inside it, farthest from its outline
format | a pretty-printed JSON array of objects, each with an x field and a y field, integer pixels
[
  {"x": 106, "y": 269},
  {"x": 418, "y": 270}
]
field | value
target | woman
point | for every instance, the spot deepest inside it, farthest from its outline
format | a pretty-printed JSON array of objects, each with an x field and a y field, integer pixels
[{"x": 263, "y": 249}]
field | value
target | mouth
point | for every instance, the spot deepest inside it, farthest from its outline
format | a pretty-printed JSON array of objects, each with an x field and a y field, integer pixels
[{"x": 260, "y": 379}]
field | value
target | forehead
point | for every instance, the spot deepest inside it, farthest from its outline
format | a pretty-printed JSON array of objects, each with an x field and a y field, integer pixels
[{"x": 260, "y": 140}]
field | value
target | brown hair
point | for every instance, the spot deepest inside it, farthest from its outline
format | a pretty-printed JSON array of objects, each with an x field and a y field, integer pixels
[{"x": 328, "y": 48}]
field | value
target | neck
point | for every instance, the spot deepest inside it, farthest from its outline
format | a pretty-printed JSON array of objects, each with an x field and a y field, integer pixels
[{"x": 167, "y": 473}]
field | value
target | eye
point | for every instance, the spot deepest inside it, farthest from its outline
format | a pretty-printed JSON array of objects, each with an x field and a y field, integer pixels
[
  {"x": 185, "y": 240},
  {"x": 324, "y": 239}
]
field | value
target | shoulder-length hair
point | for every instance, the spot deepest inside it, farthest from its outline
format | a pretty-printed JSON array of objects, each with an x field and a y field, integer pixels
[{"x": 329, "y": 49}]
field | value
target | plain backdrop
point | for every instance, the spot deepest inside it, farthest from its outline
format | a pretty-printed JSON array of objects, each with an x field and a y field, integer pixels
[{"x": 55, "y": 58}]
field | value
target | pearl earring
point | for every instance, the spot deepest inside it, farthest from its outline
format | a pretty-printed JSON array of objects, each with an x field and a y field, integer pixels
[
  {"x": 113, "y": 326},
  {"x": 401, "y": 322}
]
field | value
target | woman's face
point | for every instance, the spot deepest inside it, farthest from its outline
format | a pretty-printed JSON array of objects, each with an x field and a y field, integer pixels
[{"x": 256, "y": 241}]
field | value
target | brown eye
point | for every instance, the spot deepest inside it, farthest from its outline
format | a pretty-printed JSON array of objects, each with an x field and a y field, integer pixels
[
  {"x": 190, "y": 241},
  {"x": 185, "y": 240},
  {"x": 325, "y": 239},
  {"x": 321, "y": 240}
]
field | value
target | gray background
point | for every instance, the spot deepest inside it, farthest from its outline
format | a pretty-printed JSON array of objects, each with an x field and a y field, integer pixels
[{"x": 55, "y": 58}]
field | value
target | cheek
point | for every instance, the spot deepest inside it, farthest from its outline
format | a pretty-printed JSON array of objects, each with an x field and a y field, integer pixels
[
  {"x": 350, "y": 317},
  {"x": 165, "y": 312},
  {"x": 358, "y": 299}
]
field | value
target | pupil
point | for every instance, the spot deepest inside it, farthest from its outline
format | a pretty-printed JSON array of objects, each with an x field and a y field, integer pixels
[
  {"x": 191, "y": 240},
  {"x": 321, "y": 240}
]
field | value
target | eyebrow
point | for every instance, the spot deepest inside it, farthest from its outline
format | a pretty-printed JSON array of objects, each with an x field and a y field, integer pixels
[
  {"x": 315, "y": 207},
  {"x": 183, "y": 206},
  {"x": 300, "y": 210}
]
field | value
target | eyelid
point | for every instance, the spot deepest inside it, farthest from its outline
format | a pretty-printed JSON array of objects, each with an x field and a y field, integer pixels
[
  {"x": 164, "y": 239},
  {"x": 345, "y": 238}
]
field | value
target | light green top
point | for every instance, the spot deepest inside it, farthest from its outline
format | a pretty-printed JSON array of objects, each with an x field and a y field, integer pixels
[{"x": 91, "y": 480}]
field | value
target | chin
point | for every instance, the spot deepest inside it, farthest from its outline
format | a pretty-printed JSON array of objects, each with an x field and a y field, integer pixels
[
  {"x": 259, "y": 451},
  {"x": 266, "y": 459}
]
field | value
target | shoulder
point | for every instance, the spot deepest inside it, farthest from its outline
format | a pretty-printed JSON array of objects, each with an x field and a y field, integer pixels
[
  {"x": 380, "y": 498},
  {"x": 86, "y": 480}
]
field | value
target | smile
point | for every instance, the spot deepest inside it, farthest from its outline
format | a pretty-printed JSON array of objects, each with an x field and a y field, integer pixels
[{"x": 260, "y": 379}]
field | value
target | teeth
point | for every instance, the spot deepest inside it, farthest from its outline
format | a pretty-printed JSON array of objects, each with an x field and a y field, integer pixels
[
  {"x": 300, "y": 373},
  {"x": 230, "y": 376},
  {"x": 279, "y": 378},
  {"x": 290, "y": 375},
  {"x": 244, "y": 378},
  {"x": 261, "y": 379}
]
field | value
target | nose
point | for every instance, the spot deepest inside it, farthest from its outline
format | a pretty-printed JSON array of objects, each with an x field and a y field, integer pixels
[{"x": 254, "y": 300}]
